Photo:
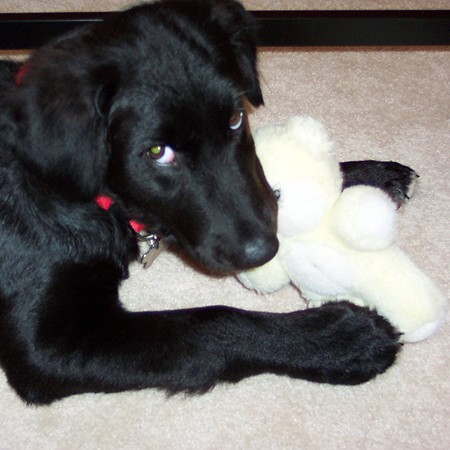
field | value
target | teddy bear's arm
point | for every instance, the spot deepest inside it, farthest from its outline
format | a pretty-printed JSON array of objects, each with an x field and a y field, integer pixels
[
  {"x": 265, "y": 279},
  {"x": 365, "y": 218}
]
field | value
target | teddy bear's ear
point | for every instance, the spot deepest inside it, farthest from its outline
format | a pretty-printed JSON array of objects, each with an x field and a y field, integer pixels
[
  {"x": 306, "y": 135},
  {"x": 299, "y": 150},
  {"x": 310, "y": 134}
]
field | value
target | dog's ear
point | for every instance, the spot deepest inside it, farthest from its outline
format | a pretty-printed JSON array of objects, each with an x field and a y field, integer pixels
[
  {"x": 106, "y": 79},
  {"x": 242, "y": 31},
  {"x": 63, "y": 107}
]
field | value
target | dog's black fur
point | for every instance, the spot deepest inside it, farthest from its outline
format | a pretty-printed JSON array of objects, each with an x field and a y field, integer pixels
[{"x": 88, "y": 109}]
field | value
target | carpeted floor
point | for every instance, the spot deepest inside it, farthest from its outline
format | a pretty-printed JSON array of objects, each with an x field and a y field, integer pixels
[{"x": 386, "y": 104}]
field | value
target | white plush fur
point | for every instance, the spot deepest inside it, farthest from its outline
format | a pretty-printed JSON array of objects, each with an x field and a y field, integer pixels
[
  {"x": 338, "y": 245},
  {"x": 365, "y": 218}
]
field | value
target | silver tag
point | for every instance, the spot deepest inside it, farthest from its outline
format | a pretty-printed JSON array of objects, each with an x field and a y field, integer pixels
[{"x": 151, "y": 247}]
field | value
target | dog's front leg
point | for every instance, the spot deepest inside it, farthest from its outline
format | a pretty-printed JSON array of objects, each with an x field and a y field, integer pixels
[{"x": 83, "y": 340}]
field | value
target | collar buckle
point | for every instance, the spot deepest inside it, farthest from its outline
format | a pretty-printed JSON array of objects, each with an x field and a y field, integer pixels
[
  {"x": 150, "y": 247},
  {"x": 150, "y": 244}
]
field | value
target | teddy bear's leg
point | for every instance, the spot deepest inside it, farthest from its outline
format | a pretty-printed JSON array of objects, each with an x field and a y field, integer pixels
[
  {"x": 392, "y": 284},
  {"x": 395, "y": 179}
]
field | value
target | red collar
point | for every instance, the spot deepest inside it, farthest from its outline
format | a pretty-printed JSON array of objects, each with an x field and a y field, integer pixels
[
  {"x": 106, "y": 202},
  {"x": 20, "y": 75},
  {"x": 151, "y": 246}
]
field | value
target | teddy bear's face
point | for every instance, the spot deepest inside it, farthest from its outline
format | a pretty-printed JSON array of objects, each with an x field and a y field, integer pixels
[
  {"x": 302, "y": 206},
  {"x": 305, "y": 175}
]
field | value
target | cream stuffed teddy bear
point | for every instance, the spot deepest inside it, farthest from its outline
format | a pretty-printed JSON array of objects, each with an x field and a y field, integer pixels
[{"x": 334, "y": 244}]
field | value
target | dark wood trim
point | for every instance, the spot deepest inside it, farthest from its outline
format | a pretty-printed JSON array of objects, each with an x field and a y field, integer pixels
[
  {"x": 354, "y": 28},
  {"x": 276, "y": 28}
]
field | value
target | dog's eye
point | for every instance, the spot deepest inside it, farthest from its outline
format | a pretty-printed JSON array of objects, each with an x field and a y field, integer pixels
[
  {"x": 162, "y": 154},
  {"x": 236, "y": 120}
]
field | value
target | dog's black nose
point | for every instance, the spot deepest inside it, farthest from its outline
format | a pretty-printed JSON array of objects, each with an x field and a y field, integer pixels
[{"x": 260, "y": 250}]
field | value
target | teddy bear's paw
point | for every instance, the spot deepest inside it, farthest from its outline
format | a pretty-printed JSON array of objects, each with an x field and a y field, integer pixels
[
  {"x": 265, "y": 279},
  {"x": 365, "y": 218},
  {"x": 352, "y": 345}
]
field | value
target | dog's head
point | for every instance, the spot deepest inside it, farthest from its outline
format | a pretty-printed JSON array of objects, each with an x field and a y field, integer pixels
[{"x": 152, "y": 106}]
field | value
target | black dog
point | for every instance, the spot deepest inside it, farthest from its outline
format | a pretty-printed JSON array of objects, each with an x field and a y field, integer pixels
[{"x": 148, "y": 108}]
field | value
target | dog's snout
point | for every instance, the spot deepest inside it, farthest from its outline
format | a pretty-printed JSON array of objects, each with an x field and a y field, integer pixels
[{"x": 259, "y": 250}]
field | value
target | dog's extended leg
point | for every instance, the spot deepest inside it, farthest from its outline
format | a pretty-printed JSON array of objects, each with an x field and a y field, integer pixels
[
  {"x": 395, "y": 179},
  {"x": 84, "y": 341}
]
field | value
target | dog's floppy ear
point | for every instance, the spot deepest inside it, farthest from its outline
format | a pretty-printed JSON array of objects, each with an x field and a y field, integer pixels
[
  {"x": 63, "y": 107},
  {"x": 241, "y": 26}
]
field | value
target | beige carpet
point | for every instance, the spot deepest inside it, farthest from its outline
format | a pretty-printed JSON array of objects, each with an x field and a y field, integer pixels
[
  {"x": 107, "y": 5},
  {"x": 378, "y": 103}
]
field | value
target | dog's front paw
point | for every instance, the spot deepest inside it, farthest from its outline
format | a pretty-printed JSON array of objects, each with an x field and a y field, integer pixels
[
  {"x": 397, "y": 180},
  {"x": 401, "y": 183},
  {"x": 353, "y": 344}
]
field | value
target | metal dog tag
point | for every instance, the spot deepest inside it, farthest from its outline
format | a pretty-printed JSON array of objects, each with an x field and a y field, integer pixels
[{"x": 152, "y": 248}]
